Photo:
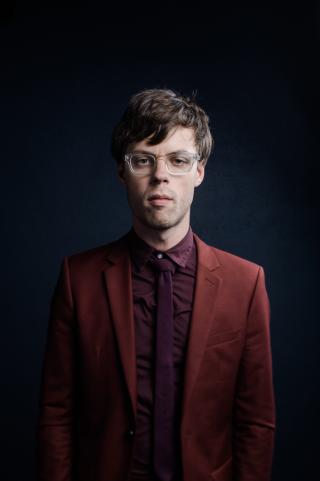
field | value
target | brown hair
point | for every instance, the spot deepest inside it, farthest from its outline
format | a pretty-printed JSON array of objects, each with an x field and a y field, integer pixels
[{"x": 153, "y": 113}]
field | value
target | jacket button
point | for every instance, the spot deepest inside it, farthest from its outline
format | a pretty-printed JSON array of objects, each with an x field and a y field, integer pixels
[{"x": 131, "y": 432}]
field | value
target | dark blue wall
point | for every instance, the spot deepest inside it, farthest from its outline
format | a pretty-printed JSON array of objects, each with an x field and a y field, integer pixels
[{"x": 66, "y": 75}]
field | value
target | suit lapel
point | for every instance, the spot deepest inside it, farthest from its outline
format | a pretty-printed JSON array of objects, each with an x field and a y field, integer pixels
[
  {"x": 117, "y": 276},
  {"x": 206, "y": 290},
  {"x": 118, "y": 282}
]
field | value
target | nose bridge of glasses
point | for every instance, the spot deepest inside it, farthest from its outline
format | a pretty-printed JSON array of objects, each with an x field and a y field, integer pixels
[{"x": 161, "y": 166}]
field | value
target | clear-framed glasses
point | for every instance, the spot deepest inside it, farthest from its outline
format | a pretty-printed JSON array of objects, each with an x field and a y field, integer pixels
[{"x": 177, "y": 163}]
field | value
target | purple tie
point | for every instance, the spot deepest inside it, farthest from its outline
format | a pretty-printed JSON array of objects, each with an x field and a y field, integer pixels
[{"x": 163, "y": 415}]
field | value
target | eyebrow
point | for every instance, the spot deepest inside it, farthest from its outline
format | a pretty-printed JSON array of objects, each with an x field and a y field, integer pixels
[{"x": 181, "y": 151}]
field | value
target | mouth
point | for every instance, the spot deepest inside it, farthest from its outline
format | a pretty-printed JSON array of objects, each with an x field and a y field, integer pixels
[{"x": 158, "y": 199}]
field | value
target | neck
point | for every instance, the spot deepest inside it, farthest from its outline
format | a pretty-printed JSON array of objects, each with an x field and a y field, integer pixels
[{"x": 161, "y": 240}]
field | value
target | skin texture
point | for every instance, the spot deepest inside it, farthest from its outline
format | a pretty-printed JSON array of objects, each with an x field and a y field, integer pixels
[{"x": 163, "y": 223}]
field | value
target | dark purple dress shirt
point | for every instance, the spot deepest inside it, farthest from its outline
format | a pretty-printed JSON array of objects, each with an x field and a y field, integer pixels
[{"x": 184, "y": 256}]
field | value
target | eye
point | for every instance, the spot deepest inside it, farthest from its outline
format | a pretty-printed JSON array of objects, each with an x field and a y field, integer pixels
[
  {"x": 141, "y": 160},
  {"x": 179, "y": 161}
]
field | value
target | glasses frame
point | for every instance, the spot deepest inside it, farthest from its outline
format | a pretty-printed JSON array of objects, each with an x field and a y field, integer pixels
[{"x": 127, "y": 159}]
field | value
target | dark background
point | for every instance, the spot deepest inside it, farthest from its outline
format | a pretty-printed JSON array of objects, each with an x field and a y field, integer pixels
[{"x": 67, "y": 72}]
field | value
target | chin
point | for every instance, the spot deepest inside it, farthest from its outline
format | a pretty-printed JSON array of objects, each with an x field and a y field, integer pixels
[{"x": 160, "y": 223}]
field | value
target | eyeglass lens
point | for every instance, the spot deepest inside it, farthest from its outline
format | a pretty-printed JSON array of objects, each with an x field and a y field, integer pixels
[{"x": 144, "y": 163}]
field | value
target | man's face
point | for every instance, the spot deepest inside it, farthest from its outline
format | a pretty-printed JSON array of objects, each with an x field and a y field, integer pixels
[{"x": 174, "y": 210}]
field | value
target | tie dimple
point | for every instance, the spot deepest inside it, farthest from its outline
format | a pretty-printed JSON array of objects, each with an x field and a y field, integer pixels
[{"x": 163, "y": 265}]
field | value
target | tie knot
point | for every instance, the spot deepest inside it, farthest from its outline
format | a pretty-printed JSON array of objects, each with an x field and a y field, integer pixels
[{"x": 163, "y": 264}]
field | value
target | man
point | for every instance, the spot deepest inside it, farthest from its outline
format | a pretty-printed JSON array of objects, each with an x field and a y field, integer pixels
[{"x": 158, "y": 360}]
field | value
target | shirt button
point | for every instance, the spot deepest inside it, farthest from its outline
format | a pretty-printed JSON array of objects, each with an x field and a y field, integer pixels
[
  {"x": 159, "y": 255},
  {"x": 131, "y": 432}
]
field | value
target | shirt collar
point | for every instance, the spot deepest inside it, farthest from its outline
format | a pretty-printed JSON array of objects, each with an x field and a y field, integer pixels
[{"x": 141, "y": 252}]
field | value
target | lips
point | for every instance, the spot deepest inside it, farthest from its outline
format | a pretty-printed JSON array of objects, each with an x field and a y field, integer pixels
[
  {"x": 159, "y": 196},
  {"x": 159, "y": 200}
]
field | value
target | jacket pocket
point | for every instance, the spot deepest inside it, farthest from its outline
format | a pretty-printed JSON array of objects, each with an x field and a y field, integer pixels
[
  {"x": 223, "y": 472},
  {"x": 225, "y": 336},
  {"x": 223, "y": 356}
]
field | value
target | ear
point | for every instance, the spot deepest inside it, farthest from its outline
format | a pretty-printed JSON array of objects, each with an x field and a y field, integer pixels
[{"x": 200, "y": 173}]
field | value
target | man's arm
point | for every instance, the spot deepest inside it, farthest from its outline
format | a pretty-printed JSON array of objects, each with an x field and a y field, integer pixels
[
  {"x": 54, "y": 430},
  {"x": 254, "y": 408}
]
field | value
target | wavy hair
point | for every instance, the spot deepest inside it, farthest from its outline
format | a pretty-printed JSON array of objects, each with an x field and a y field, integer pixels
[{"x": 152, "y": 113}]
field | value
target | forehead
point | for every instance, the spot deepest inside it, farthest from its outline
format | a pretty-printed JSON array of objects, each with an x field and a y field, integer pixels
[{"x": 180, "y": 138}]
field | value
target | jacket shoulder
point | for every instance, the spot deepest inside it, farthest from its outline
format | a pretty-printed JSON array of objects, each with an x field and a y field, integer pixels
[
  {"x": 95, "y": 257},
  {"x": 231, "y": 259},
  {"x": 229, "y": 265},
  {"x": 240, "y": 273}
]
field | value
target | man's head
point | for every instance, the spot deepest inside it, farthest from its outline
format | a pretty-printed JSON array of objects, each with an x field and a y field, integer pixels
[{"x": 160, "y": 122}]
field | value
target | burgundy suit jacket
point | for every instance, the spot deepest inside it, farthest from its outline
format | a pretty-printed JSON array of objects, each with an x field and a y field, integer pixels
[{"x": 88, "y": 396}]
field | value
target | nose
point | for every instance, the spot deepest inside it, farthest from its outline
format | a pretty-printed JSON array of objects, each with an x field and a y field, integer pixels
[{"x": 160, "y": 172}]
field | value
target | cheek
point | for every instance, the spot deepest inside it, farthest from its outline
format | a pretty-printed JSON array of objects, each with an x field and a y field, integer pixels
[
  {"x": 135, "y": 192},
  {"x": 187, "y": 192}
]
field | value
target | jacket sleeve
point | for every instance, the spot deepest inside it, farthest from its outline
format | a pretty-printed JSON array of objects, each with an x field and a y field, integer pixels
[
  {"x": 254, "y": 407},
  {"x": 56, "y": 406}
]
